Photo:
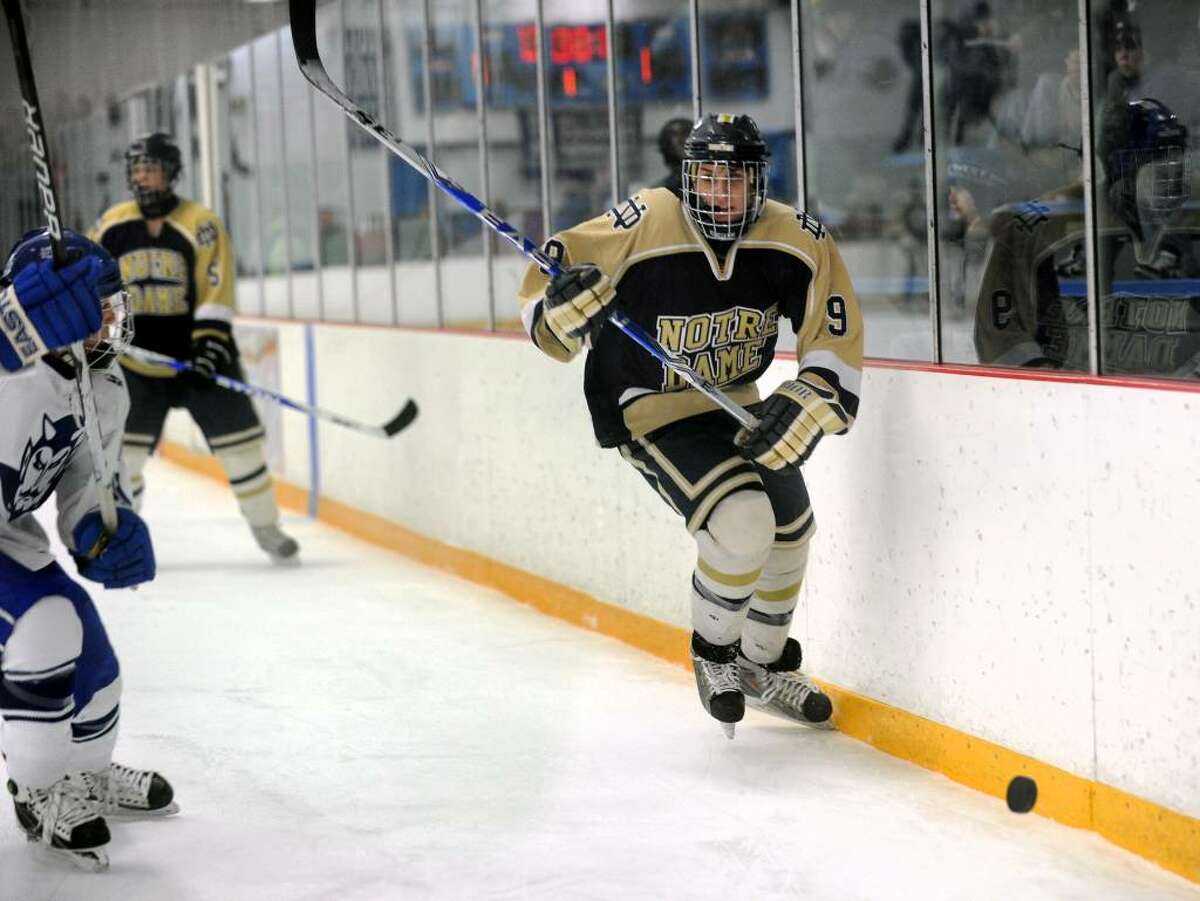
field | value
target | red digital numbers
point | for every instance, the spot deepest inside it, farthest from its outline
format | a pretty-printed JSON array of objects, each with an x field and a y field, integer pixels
[{"x": 569, "y": 44}]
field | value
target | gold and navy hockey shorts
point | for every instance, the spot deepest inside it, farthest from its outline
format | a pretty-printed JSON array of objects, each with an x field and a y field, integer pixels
[
  {"x": 693, "y": 464},
  {"x": 226, "y": 418}
]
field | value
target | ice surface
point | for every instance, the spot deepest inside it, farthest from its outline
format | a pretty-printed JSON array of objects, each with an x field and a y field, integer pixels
[{"x": 360, "y": 727}]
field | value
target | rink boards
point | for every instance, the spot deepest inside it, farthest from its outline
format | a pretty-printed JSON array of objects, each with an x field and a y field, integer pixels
[{"x": 1004, "y": 576}]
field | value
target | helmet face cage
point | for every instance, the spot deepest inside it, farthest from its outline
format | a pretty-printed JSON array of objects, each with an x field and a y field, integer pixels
[
  {"x": 153, "y": 150},
  {"x": 724, "y": 197},
  {"x": 116, "y": 330},
  {"x": 1161, "y": 179}
]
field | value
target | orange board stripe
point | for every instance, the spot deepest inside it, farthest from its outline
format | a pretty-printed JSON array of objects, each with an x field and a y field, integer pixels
[{"x": 1159, "y": 834}]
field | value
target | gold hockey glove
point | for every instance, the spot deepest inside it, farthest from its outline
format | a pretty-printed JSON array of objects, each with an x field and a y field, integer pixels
[
  {"x": 576, "y": 304},
  {"x": 790, "y": 423}
]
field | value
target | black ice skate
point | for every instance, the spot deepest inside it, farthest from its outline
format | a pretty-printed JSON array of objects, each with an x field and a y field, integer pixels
[
  {"x": 280, "y": 546},
  {"x": 127, "y": 793},
  {"x": 780, "y": 688},
  {"x": 65, "y": 817},
  {"x": 716, "y": 669}
]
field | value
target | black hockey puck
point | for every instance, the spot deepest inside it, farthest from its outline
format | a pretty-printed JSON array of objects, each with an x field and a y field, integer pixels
[{"x": 1022, "y": 794}]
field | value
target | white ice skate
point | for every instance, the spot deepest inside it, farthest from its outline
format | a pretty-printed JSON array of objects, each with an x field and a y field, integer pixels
[
  {"x": 66, "y": 818},
  {"x": 127, "y": 793},
  {"x": 780, "y": 688}
]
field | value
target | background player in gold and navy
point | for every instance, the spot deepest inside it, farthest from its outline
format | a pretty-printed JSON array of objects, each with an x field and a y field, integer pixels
[
  {"x": 1033, "y": 298},
  {"x": 176, "y": 258},
  {"x": 710, "y": 275},
  {"x": 60, "y": 682}
]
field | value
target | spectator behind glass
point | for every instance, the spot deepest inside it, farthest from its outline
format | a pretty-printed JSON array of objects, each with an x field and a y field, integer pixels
[
  {"x": 979, "y": 70},
  {"x": 670, "y": 144},
  {"x": 1128, "y": 63}
]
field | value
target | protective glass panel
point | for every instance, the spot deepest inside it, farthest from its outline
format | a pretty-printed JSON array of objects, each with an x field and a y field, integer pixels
[
  {"x": 270, "y": 173},
  {"x": 1010, "y": 202},
  {"x": 746, "y": 67},
  {"x": 654, "y": 92},
  {"x": 865, "y": 161},
  {"x": 239, "y": 167},
  {"x": 333, "y": 186},
  {"x": 1147, "y": 116},
  {"x": 514, "y": 156},
  {"x": 577, "y": 87},
  {"x": 298, "y": 141},
  {"x": 362, "y": 58},
  {"x": 409, "y": 201}
]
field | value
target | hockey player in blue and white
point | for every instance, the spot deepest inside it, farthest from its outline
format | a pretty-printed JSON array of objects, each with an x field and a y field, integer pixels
[{"x": 60, "y": 682}]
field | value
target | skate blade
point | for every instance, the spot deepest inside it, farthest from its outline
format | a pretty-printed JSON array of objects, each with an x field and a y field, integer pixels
[
  {"x": 727, "y": 728},
  {"x": 94, "y": 860},
  {"x": 132, "y": 813}
]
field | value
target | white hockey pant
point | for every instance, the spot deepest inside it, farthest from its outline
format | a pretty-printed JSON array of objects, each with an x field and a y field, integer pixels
[{"x": 44, "y": 736}]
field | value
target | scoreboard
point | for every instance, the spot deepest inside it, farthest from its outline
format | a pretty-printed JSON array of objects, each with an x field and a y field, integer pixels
[{"x": 652, "y": 61}]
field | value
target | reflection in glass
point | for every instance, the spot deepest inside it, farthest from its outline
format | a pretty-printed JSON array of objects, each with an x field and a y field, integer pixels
[
  {"x": 577, "y": 85},
  {"x": 1148, "y": 252},
  {"x": 409, "y": 201},
  {"x": 239, "y": 165},
  {"x": 654, "y": 93},
  {"x": 865, "y": 160},
  {"x": 510, "y": 83},
  {"x": 333, "y": 204},
  {"x": 269, "y": 118}
]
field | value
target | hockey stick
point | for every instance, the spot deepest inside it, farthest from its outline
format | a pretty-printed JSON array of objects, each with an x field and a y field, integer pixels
[
  {"x": 303, "y": 15},
  {"x": 396, "y": 424},
  {"x": 39, "y": 146}
]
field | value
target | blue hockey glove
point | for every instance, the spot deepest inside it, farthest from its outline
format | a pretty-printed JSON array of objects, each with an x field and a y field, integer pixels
[
  {"x": 60, "y": 306},
  {"x": 127, "y": 559}
]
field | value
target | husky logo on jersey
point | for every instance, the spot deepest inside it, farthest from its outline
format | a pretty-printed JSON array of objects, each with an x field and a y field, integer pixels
[
  {"x": 721, "y": 347},
  {"x": 628, "y": 214},
  {"x": 42, "y": 465}
]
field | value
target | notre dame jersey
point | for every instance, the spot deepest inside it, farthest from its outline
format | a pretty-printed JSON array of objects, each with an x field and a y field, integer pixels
[
  {"x": 1033, "y": 299},
  {"x": 180, "y": 283},
  {"x": 721, "y": 316}
]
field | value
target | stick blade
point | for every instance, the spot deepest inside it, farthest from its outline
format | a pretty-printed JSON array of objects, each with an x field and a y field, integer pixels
[{"x": 401, "y": 420}]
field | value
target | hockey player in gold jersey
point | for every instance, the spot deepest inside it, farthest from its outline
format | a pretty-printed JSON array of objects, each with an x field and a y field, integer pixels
[
  {"x": 177, "y": 263},
  {"x": 710, "y": 276}
]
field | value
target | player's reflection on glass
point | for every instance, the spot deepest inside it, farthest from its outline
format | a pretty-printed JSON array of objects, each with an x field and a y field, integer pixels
[{"x": 1033, "y": 301}]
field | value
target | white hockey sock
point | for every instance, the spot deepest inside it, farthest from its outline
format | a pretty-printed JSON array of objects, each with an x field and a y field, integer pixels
[
  {"x": 246, "y": 467},
  {"x": 732, "y": 546},
  {"x": 769, "y": 618}
]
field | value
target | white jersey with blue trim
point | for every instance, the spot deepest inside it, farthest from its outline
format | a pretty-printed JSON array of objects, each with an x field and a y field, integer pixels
[{"x": 44, "y": 450}]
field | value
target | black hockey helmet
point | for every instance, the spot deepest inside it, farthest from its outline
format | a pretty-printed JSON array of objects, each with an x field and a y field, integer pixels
[
  {"x": 1140, "y": 133},
  {"x": 159, "y": 148},
  {"x": 671, "y": 138},
  {"x": 721, "y": 149}
]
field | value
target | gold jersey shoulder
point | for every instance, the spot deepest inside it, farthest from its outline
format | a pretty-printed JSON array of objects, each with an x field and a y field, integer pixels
[
  {"x": 125, "y": 211},
  {"x": 196, "y": 221},
  {"x": 649, "y": 223},
  {"x": 784, "y": 228}
]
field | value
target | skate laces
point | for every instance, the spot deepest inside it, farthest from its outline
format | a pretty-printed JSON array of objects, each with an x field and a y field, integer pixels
[
  {"x": 790, "y": 688},
  {"x": 64, "y": 805},
  {"x": 721, "y": 677},
  {"x": 123, "y": 785}
]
